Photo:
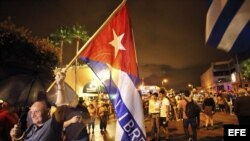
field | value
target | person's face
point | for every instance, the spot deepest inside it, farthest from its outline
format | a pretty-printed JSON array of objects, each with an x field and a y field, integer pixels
[
  {"x": 206, "y": 94},
  {"x": 161, "y": 95},
  {"x": 155, "y": 97},
  {"x": 91, "y": 106},
  {"x": 39, "y": 113}
]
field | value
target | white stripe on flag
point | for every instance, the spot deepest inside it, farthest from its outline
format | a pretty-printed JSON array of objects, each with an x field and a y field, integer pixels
[
  {"x": 118, "y": 137},
  {"x": 213, "y": 14},
  {"x": 131, "y": 99},
  {"x": 237, "y": 24}
]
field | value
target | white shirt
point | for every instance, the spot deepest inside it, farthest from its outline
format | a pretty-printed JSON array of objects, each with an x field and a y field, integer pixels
[{"x": 164, "y": 103}]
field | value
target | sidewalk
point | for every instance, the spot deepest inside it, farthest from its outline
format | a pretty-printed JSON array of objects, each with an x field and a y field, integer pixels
[
  {"x": 215, "y": 134},
  {"x": 109, "y": 135}
]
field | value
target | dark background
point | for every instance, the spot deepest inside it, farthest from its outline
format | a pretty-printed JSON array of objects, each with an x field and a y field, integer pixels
[{"x": 169, "y": 34}]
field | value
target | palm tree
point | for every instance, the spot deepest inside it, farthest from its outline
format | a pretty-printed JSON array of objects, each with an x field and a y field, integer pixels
[
  {"x": 61, "y": 35},
  {"x": 78, "y": 33}
]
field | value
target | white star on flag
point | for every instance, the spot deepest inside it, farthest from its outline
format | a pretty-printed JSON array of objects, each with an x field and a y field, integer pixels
[
  {"x": 117, "y": 42},
  {"x": 112, "y": 38}
]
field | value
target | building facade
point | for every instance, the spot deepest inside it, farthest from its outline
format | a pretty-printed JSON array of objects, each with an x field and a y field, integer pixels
[{"x": 221, "y": 76}]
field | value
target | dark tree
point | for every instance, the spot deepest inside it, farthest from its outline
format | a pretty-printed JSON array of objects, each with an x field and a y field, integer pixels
[{"x": 19, "y": 50}]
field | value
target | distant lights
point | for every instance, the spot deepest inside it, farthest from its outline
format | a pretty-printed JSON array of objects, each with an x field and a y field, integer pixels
[{"x": 233, "y": 77}]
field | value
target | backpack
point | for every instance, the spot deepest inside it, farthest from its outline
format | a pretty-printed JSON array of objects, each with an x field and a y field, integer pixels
[{"x": 192, "y": 109}]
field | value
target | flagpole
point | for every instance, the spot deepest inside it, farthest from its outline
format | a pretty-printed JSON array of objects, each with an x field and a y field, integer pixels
[{"x": 90, "y": 39}]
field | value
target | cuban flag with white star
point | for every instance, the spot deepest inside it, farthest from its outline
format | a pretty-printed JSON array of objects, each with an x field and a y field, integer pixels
[
  {"x": 112, "y": 57},
  {"x": 228, "y": 25}
]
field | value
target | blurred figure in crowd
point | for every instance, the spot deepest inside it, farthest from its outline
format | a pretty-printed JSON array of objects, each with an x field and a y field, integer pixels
[
  {"x": 8, "y": 118},
  {"x": 188, "y": 121},
  {"x": 221, "y": 102},
  {"x": 229, "y": 102},
  {"x": 164, "y": 113},
  {"x": 173, "y": 103},
  {"x": 154, "y": 107},
  {"x": 241, "y": 108},
  {"x": 93, "y": 113},
  {"x": 208, "y": 109},
  {"x": 76, "y": 119},
  {"x": 103, "y": 114}
]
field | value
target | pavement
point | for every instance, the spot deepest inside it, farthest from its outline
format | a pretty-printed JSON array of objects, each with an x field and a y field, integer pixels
[
  {"x": 175, "y": 128},
  {"x": 109, "y": 135}
]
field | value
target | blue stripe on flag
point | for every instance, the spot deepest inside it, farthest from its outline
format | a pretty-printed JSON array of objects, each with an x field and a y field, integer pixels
[
  {"x": 125, "y": 118},
  {"x": 243, "y": 41},
  {"x": 223, "y": 21},
  {"x": 102, "y": 66}
]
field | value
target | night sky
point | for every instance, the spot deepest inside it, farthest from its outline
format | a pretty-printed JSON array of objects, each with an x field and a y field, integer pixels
[{"x": 169, "y": 34}]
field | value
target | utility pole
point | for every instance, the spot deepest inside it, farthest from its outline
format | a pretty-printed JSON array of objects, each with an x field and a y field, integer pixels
[{"x": 238, "y": 69}]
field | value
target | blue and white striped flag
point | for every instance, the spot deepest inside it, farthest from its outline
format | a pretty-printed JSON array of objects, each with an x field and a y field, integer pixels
[{"x": 228, "y": 25}]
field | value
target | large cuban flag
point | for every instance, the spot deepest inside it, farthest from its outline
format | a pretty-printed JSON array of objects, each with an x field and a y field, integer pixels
[
  {"x": 228, "y": 25},
  {"x": 112, "y": 57}
]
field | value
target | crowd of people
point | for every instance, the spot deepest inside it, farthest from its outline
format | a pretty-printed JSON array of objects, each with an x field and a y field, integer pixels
[
  {"x": 75, "y": 120},
  {"x": 174, "y": 107},
  {"x": 60, "y": 121}
]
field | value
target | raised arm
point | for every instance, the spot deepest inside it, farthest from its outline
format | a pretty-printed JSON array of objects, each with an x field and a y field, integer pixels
[
  {"x": 61, "y": 99},
  {"x": 61, "y": 96}
]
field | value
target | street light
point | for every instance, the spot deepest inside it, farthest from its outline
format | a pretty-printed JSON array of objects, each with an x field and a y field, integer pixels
[{"x": 164, "y": 81}]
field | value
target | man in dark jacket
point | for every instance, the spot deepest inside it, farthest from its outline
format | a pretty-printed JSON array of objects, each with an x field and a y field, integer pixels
[
  {"x": 241, "y": 107},
  {"x": 76, "y": 118}
]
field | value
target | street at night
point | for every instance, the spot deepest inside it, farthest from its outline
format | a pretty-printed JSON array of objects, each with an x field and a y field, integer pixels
[
  {"x": 175, "y": 128},
  {"x": 126, "y": 70}
]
